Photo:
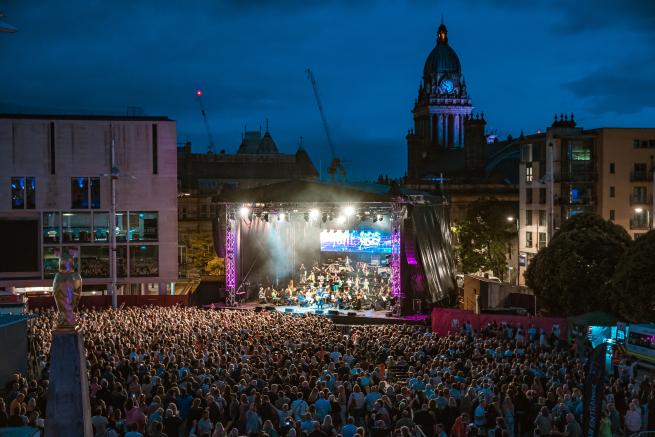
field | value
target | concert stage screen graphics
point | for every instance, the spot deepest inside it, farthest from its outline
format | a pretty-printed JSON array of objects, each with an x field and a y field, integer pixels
[{"x": 356, "y": 241}]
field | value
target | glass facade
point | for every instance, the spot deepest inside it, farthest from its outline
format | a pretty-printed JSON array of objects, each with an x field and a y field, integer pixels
[
  {"x": 94, "y": 261},
  {"x": 76, "y": 227},
  {"x": 89, "y": 232},
  {"x": 51, "y": 230},
  {"x": 144, "y": 260},
  {"x": 143, "y": 226}
]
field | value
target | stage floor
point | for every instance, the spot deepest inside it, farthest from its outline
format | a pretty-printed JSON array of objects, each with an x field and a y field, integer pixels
[{"x": 344, "y": 317}]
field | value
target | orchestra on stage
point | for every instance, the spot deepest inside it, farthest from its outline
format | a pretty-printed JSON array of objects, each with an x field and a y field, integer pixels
[{"x": 337, "y": 284}]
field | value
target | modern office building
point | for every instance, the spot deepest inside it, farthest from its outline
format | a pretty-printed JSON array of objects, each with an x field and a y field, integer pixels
[
  {"x": 56, "y": 197},
  {"x": 608, "y": 171}
]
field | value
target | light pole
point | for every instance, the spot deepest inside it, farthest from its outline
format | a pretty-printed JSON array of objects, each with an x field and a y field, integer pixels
[{"x": 512, "y": 219}]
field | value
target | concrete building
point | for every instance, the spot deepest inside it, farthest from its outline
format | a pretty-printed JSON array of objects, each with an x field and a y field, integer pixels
[
  {"x": 56, "y": 198},
  {"x": 608, "y": 171}
]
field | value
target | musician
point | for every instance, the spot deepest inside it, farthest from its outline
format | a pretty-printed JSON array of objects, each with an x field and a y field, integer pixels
[
  {"x": 303, "y": 273},
  {"x": 262, "y": 295},
  {"x": 319, "y": 298}
]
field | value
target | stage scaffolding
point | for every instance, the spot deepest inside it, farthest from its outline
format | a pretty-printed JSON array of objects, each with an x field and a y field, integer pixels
[{"x": 394, "y": 212}]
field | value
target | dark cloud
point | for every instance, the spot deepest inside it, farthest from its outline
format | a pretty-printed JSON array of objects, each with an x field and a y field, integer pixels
[{"x": 626, "y": 88}]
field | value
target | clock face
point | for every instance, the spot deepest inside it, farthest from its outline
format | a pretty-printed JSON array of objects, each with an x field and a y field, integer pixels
[{"x": 446, "y": 86}]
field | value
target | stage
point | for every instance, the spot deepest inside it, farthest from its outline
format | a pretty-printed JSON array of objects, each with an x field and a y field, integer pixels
[{"x": 340, "y": 317}]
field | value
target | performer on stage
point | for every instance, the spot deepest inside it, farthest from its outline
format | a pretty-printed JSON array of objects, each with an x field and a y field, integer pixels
[{"x": 319, "y": 298}]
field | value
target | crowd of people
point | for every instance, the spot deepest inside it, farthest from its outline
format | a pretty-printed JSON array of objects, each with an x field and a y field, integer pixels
[{"x": 178, "y": 371}]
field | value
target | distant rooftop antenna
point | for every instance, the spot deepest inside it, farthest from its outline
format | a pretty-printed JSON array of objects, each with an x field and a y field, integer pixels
[{"x": 210, "y": 146}]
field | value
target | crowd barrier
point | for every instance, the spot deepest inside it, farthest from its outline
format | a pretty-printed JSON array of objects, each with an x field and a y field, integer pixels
[
  {"x": 105, "y": 301},
  {"x": 445, "y": 320}
]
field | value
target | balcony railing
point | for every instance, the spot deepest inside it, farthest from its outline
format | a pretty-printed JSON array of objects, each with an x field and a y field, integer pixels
[
  {"x": 640, "y": 176},
  {"x": 639, "y": 224},
  {"x": 641, "y": 200}
]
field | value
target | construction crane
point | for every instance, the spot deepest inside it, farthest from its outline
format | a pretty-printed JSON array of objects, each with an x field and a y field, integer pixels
[
  {"x": 210, "y": 146},
  {"x": 336, "y": 167}
]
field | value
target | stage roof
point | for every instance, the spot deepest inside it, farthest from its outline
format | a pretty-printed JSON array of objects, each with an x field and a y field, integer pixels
[{"x": 317, "y": 191}]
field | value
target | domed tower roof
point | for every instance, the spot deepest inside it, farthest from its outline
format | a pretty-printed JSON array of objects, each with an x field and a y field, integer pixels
[{"x": 442, "y": 59}]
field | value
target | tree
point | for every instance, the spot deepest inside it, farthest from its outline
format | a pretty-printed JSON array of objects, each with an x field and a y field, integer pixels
[
  {"x": 634, "y": 281},
  {"x": 572, "y": 274},
  {"x": 483, "y": 237},
  {"x": 201, "y": 258}
]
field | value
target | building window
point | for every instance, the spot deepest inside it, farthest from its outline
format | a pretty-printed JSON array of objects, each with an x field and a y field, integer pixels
[
  {"x": 94, "y": 261},
  {"x": 85, "y": 193},
  {"x": 528, "y": 173},
  {"x": 76, "y": 227},
  {"x": 640, "y": 218},
  {"x": 612, "y": 168},
  {"x": 528, "y": 195},
  {"x": 640, "y": 172},
  {"x": 528, "y": 239},
  {"x": 101, "y": 226},
  {"x": 542, "y": 240},
  {"x": 542, "y": 218},
  {"x": 51, "y": 259},
  {"x": 636, "y": 144},
  {"x": 651, "y": 144},
  {"x": 528, "y": 217},
  {"x": 644, "y": 144},
  {"x": 542, "y": 195},
  {"x": 612, "y": 215},
  {"x": 612, "y": 192},
  {"x": 143, "y": 226},
  {"x": 51, "y": 230},
  {"x": 144, "y": 261},
  {"x": 639, "y": 195},
  {"x": 23, "y": 192}
]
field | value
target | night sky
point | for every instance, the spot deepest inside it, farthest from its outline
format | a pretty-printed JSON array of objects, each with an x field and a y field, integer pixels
[{"x": 595, "y": 58}]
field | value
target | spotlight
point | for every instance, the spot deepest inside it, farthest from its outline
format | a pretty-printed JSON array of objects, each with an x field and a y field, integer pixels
[
  {"x": 280, "y": 216},
  {"x": 244, "y": 211},
  {"x": 314, "y": 214},
  {"x": 639, "y": 210},
  {"x": 341, "y": 220},
  {"x": 349, "y": 210}
]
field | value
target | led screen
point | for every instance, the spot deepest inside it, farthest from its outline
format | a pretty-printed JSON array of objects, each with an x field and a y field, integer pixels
[{"x": 355, "y": 241}]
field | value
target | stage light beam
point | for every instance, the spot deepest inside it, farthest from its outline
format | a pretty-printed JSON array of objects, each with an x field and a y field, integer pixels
[
  {"x": 244, "y": 211},
  {"x": 341, "y": 220},
  {"x": 280, "y": 216},
  {"x": 314, "y": 214},
  {"x": 349, "y": 210}
]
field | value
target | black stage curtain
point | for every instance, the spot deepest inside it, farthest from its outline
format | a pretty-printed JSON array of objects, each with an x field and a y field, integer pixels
[
  {"x": 434, "y": 242},
  {"x": 218, "y": 236}
]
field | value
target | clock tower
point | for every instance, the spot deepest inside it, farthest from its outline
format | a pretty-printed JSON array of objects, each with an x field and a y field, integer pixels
[{"x": 440, "y": 109}]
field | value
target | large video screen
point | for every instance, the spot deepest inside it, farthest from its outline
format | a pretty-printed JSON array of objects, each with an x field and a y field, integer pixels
[{"x": 356, "y": 241}]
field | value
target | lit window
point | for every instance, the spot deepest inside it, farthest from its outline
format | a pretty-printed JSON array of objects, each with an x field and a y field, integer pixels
[
  {"x": 528, "y": 239},
  {"x": 143, "y": 226},
  {"x": 85, "y": 193},
  {"x": 23, "y": 193},
  {"x": 528, "y": 173},
  {"x": 144, "y": 261}
]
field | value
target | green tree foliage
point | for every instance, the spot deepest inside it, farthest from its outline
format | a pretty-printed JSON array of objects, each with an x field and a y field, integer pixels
[
  {"x": 201, "y": 258},
  {"x": 634, "y": 281},
  {"x": 572, "y": 275},
  {"x": 483, "y": 237}
]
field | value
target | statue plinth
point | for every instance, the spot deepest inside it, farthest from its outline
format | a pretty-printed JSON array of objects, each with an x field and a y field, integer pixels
[{"x": 68, "y": 410}]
